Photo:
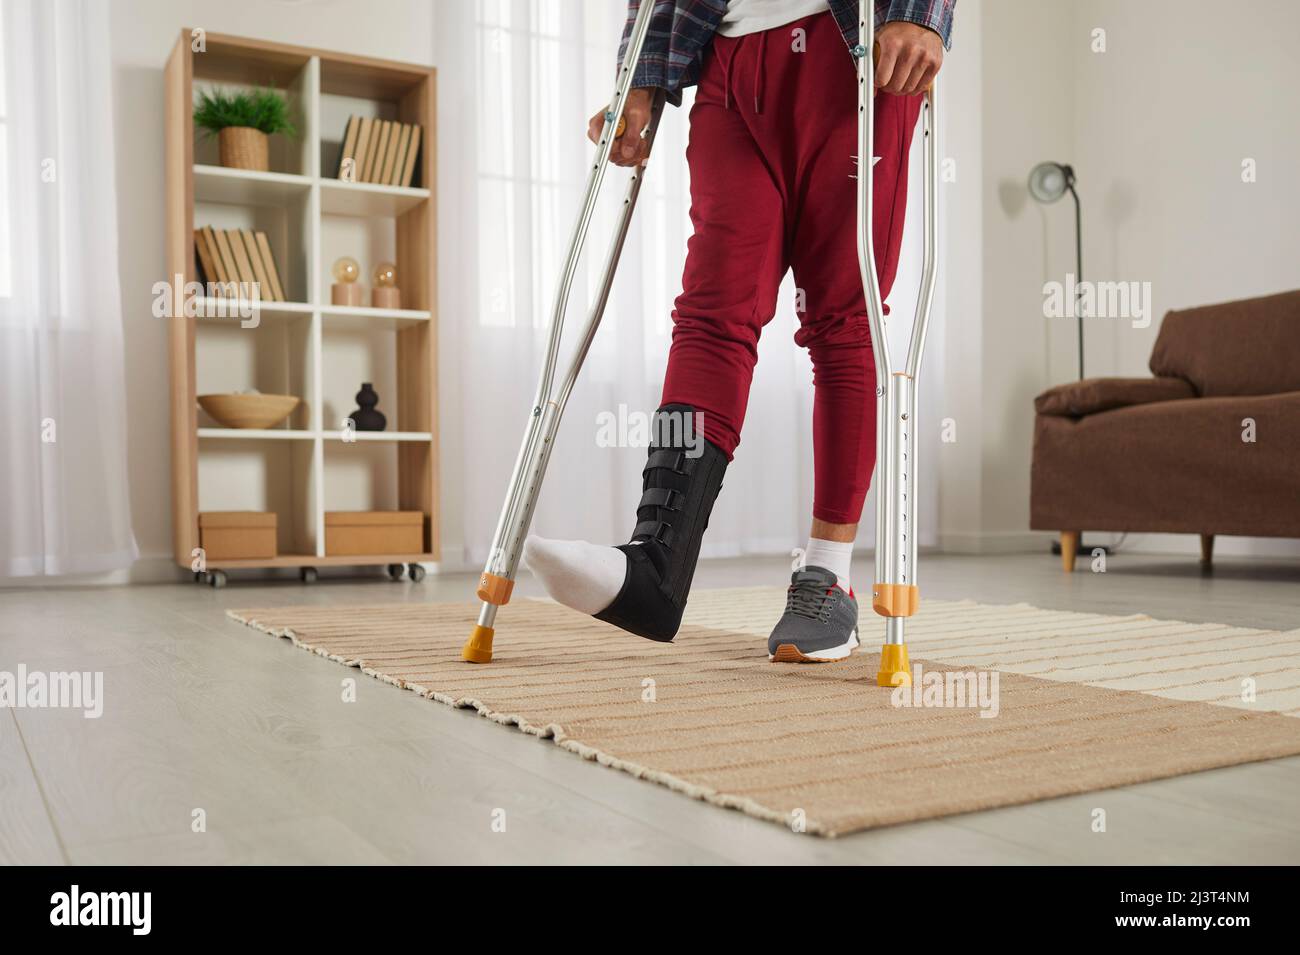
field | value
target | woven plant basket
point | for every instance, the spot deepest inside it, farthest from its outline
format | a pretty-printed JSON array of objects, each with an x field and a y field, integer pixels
[{"x": 243, "y": 147}]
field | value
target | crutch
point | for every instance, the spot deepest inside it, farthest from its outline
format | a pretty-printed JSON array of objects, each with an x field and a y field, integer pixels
[
  {"x": 894, "y": 595},
  {"x": 498, "y": 577}
]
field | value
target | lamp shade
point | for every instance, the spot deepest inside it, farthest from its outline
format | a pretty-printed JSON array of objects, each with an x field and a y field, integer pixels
[{"x": 1048, "y": 181}]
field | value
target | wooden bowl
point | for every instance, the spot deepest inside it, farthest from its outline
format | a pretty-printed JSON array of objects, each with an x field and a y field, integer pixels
[{"x": 249, "y": 411}]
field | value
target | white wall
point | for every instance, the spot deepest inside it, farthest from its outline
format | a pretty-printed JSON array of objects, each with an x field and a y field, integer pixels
[
  {"x": 1026, "y": 90},
  {"x": 1156, "y": 128},
  {"x": 954, "y": 354},
  {"x": 142, "y": 34},
  {"x": 1006, "y": 94}
]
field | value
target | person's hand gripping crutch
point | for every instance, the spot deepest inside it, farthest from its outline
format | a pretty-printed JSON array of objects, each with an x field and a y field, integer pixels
[
  {"x": 907, "y": 58},
  {"x": 630, "y": 147}
]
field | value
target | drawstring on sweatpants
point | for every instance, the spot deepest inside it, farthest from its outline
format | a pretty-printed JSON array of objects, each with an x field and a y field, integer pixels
[
  {"x": 726, "y": 79},
  {"x": 758, "y": 71}
]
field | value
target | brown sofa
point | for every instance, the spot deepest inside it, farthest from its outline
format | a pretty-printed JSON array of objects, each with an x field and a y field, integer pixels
[{"x": 1169, "y": 454}]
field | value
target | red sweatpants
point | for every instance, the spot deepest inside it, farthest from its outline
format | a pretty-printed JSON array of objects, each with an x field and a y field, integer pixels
[{"x": 773, "y": 138}]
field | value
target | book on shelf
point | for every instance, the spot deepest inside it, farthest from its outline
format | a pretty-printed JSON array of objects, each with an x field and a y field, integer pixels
[
  {"x": 206, "y": 259},
  {"x": 382, "y": 151},
  {"x": 349, "y": 151},
  {"x": 396, "y": 143},
  {"x": 377, "y": 136},
  {"x": 365, "y": 134},
  {"x": 238, "y": 257},
  {"x": 412, "y": 152},
  {"x": 386, "y": 150},
  {"x": 273, "y": 273},
  {"x": 227, "y": 255},
  {"x": 393, "y": 168},
  {"x": 222, "y": 274},
  {"x": 259, "y": 267},
  {"x": 243, "y": 266},
  {"x": 219, "y": 273}
]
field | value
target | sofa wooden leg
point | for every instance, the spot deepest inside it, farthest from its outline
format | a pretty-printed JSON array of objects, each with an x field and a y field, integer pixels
[
  {"x": 1069, "y": 546},
  {"x": 1207, "y": 549}
]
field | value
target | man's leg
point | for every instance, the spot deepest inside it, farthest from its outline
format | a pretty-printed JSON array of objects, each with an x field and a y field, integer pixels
[
  {"x": 834, "y": 327},
  {"x": 835, "y": 330},
  {"x": 734, "y": 263}
]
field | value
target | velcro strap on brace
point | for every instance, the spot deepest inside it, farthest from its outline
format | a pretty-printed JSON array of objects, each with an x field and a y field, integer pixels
[
  {"x": 662, "y": 497},
  {"x": 654, "y": 530},
  {"x": 663, "y": 458}
]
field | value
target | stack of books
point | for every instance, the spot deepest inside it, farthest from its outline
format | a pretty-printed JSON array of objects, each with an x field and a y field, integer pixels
[
  {"x": 379, "y": 150},
  {"x": 231, "y": 260}
]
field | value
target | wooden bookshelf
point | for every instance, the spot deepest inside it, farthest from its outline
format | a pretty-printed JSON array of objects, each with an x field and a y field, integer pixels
[{"x": 304, "y": 346}]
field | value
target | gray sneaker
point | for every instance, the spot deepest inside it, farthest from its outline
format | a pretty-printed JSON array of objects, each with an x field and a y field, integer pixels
[{"x": 820, "y": 623}]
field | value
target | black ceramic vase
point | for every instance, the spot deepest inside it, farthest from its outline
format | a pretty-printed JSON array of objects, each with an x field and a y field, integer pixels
[{"x": 367, "y": 417}]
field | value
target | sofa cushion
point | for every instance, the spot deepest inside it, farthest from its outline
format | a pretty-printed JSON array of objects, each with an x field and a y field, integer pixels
[
  {"x": 1172, "y": 466},
  {"x": 1078, "y": 398},
  {"x": 1248, "y": 347}
]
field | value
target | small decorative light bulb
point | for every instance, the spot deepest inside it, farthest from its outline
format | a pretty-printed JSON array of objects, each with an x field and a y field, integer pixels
[
  {"x": 346, "y": 269},
  {"x": 385, "y": 293},
  {"x": 345, "y": 290}
]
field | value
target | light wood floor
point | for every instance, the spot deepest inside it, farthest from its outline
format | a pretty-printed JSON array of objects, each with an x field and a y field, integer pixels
[{"x": 202, "y": 713}]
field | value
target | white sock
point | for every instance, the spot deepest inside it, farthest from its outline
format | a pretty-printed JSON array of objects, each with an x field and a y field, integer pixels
[
  {"x": 586, "y": 577},
  {"x": 835, "y": 556}
]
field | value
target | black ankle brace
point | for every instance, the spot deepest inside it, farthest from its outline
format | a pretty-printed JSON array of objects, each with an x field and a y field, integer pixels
[{"x": 678, "y": 492}]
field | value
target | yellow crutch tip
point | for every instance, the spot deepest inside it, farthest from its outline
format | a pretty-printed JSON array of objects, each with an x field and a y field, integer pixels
[
  {"x": 478, "y": 648},
  {"x": 895, "y": 670}
]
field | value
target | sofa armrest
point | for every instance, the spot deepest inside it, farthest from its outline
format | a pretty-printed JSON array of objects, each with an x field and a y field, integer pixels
[{"x": 1078, "y": 398}]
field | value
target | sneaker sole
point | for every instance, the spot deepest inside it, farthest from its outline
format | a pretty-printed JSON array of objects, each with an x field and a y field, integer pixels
[{"x": 789, "y": 653}]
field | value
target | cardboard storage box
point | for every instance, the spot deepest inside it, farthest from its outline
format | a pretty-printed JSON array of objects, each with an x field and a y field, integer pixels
[
  {"x": 370, "y": 533},
  {"x": 237, "y": 535}
]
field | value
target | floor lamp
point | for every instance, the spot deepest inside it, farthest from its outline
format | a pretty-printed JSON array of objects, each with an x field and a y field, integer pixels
[{"x": 1048, "y": 181}]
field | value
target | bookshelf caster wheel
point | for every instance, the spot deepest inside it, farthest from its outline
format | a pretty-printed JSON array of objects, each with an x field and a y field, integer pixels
[
  {"x": 415, "y": 572},
  {"x": 217, "y": 578},
  {"x": 394, "y": 571},
  {"x": 307, "y": 575}
]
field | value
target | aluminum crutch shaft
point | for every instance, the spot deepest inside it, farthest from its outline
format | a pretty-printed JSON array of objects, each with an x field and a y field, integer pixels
[
  {"x": 894, "y": 594},
  {"x": 497, "y": 579}
]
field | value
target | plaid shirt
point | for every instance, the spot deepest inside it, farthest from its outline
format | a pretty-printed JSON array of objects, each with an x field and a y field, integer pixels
[{"x": 681, "y": 29}]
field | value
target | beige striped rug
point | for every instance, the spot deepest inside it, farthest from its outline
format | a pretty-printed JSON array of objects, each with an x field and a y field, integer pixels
[{"x": 1083, "y": 701}]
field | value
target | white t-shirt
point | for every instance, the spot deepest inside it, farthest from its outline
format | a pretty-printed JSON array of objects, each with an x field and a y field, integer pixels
[{"x": 754, "y": 16}]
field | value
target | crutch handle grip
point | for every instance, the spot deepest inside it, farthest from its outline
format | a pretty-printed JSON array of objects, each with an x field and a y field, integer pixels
[
  {"x": 621, "y": 128},
  {"x": 875, "y": 61}
]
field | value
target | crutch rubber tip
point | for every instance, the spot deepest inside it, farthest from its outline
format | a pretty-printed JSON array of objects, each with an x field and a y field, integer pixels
[
  {"x": 895, "y": 670},
  {"x": 478, "y": 648}
]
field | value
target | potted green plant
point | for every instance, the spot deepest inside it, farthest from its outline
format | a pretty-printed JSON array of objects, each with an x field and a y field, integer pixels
[{"x": 242, "y": 120}]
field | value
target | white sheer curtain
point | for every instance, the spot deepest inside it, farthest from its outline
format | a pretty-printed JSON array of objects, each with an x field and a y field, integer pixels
[
  {"x": 524, "y": 78},
  {"x": 63, "y": 493},
  {"x": 519, "y": 81}
]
